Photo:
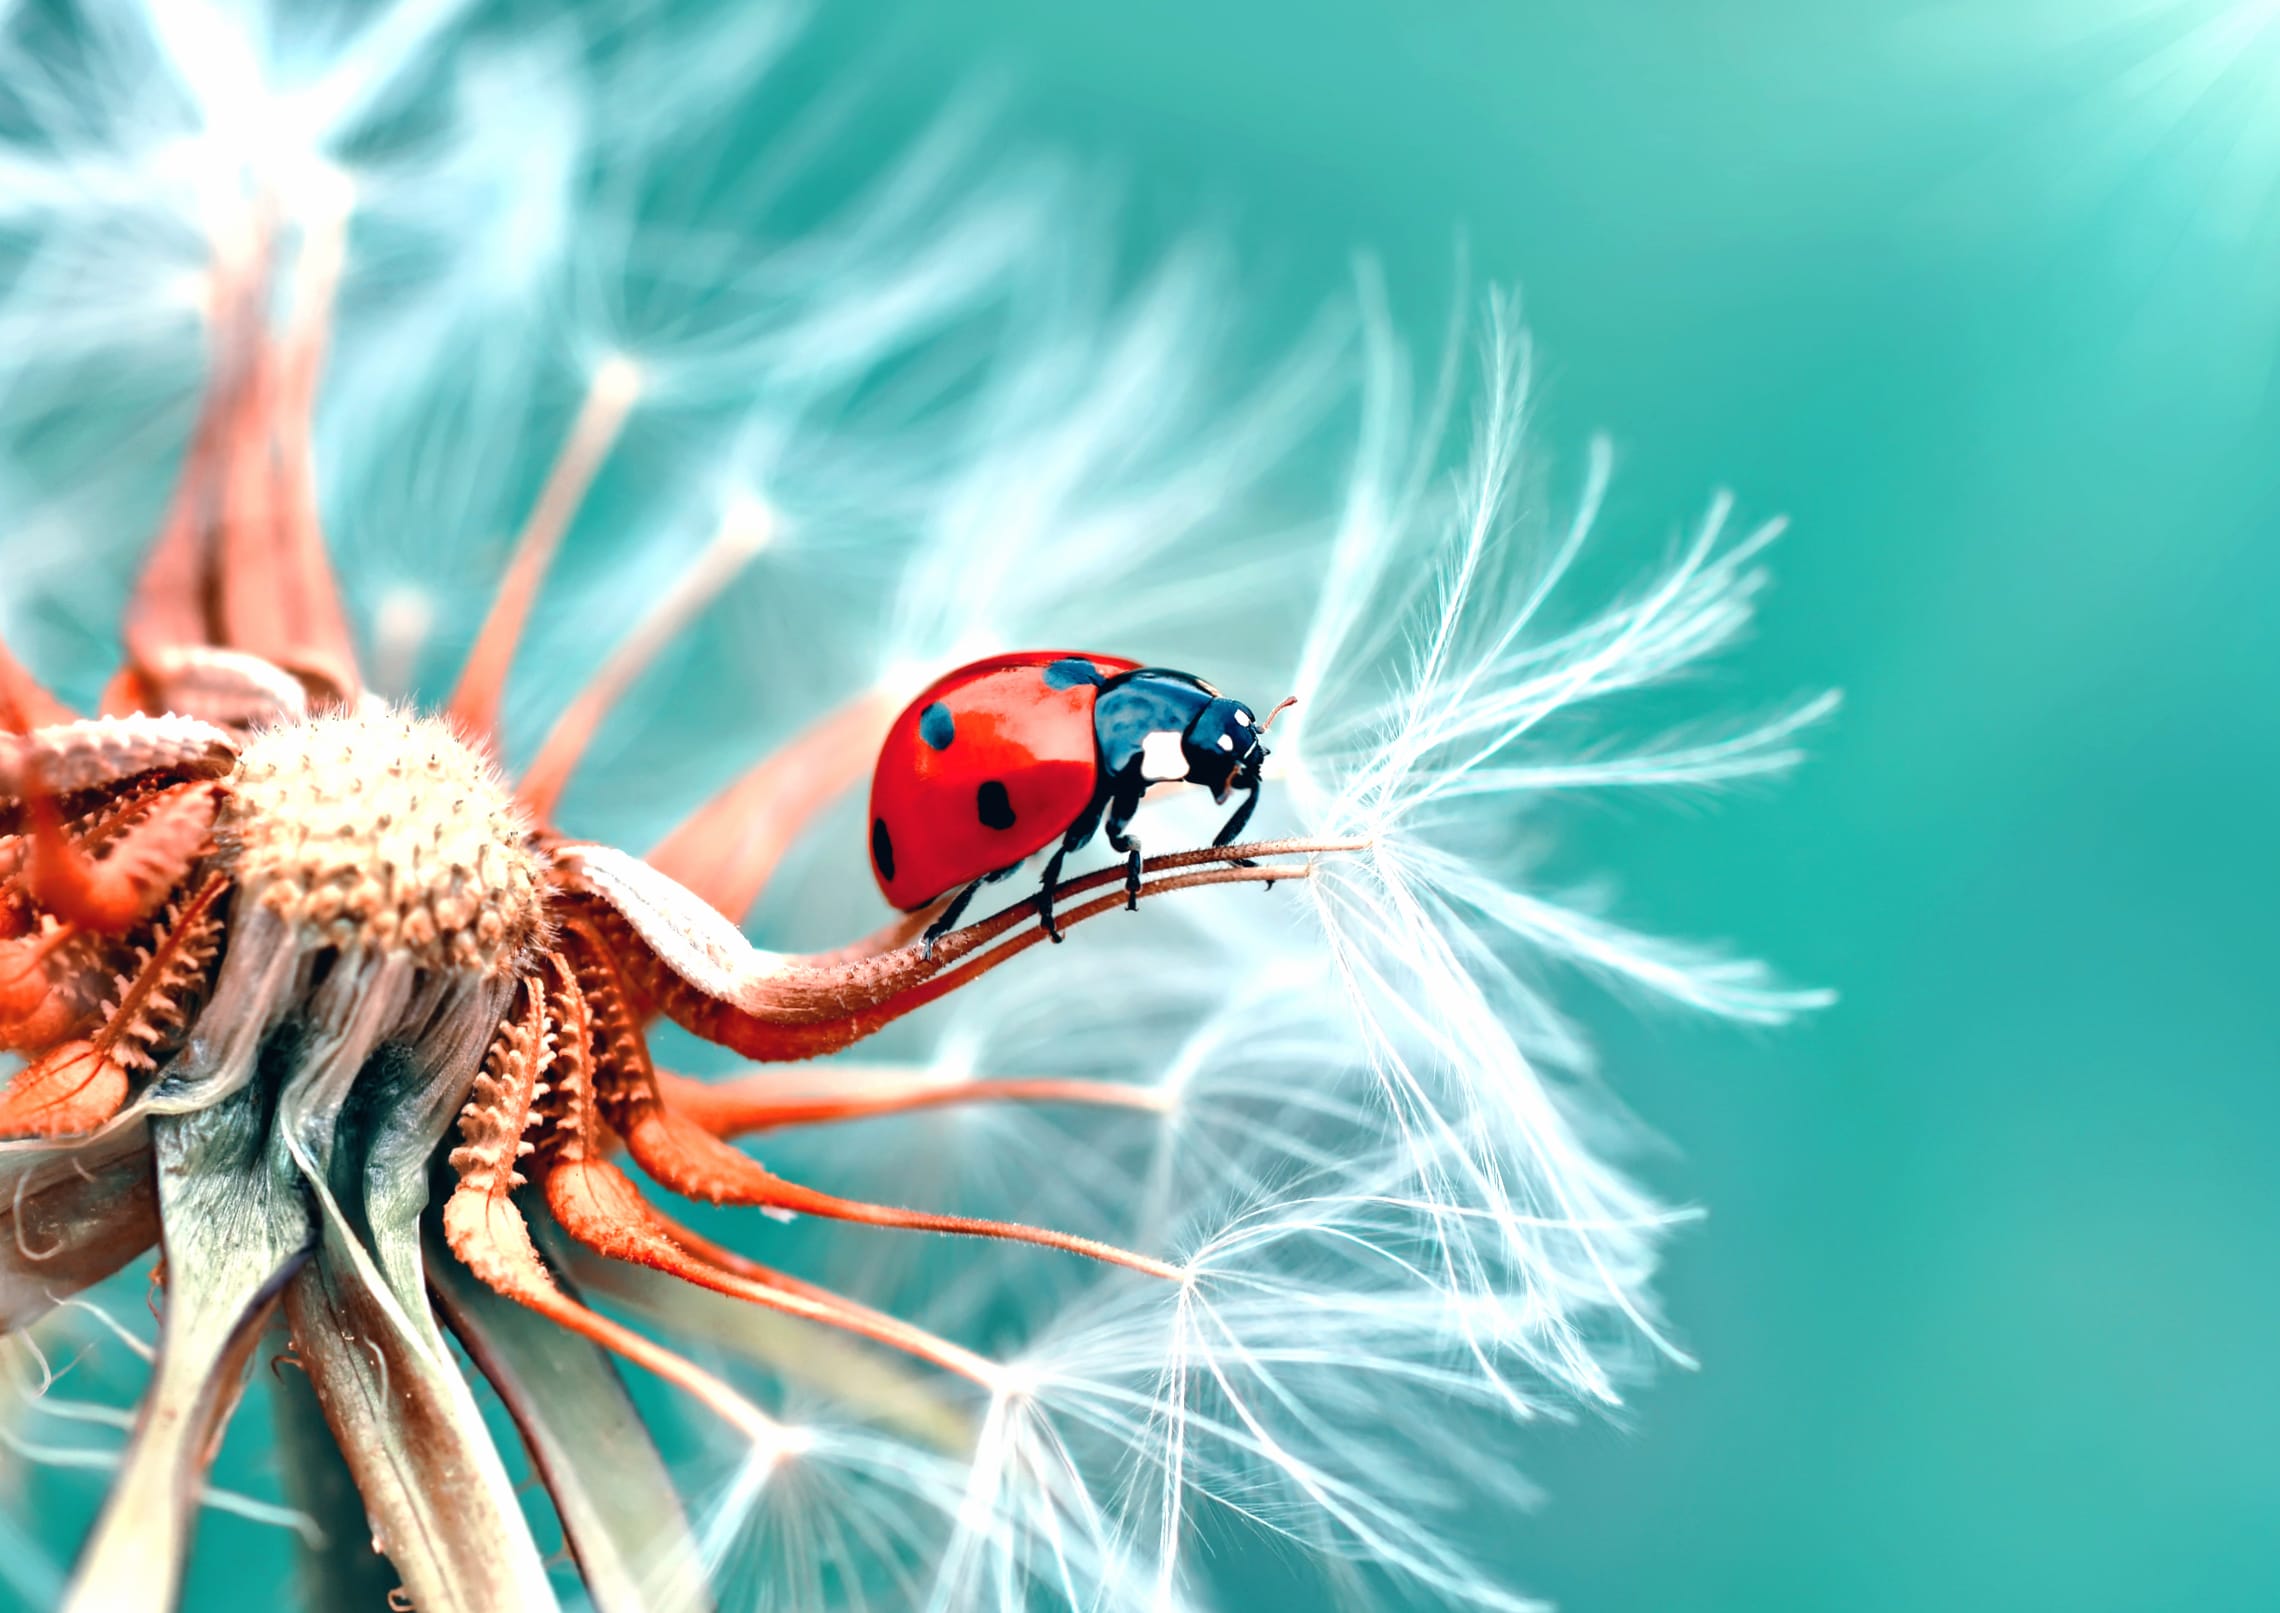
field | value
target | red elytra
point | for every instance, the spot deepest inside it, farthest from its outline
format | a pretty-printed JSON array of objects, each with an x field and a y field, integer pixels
[{"x": 990, "y": 764}]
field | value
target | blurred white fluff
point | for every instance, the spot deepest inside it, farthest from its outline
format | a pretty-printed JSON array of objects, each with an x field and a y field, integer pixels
[{"x": 1376, "y": 1151}]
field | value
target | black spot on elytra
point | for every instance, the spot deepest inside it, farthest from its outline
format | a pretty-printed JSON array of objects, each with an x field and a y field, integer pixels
[
  {"x": 882, "y": 848},
  {"x": 937, "y": 727},
  {"x": 994, "y": 806},
  {"x": 1069, "y": 671}
]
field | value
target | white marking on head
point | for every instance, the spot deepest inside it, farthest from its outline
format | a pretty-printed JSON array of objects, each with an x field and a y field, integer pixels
[
  {"x": 1242, "y": 716},
  {"x": 1226, "y": 742},
  {"x": 1162, "y": 758}
]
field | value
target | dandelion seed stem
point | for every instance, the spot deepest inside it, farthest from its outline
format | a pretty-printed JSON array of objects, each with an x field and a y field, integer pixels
[
  {"x": 976, "y": 936},
  {"x": 610, "y": 397},
  {"x": 24, "y": 705},
  {"x": 315, "y": 632},
  {"x": 765, "y": 1100},
  {"x": 726, "y": 850},
  {"x": 742, "y": 535}
]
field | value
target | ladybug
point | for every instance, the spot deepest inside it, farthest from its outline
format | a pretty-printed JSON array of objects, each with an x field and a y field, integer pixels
[{"x": 1001, "y": 758}]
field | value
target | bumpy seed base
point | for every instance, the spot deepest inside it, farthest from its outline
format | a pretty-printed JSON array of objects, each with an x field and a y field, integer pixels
[{"x": 383, "y": 828}]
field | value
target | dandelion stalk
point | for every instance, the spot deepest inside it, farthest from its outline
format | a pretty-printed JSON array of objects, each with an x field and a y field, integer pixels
[{"x": 336, "y": 1566}]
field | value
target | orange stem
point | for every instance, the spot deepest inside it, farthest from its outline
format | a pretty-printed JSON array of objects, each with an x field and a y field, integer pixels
[
  {"x": 728, "y": 848},
  {"x": 742, "y": 535},
  {"x": 599, "y": 1206},
  {"x": 758, "y": 1102},
  {"x": 609, "y": 399},
  {"x": 692, "y": 1162}
]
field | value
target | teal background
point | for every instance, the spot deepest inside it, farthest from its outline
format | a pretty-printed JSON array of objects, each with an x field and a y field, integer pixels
[{"x": 1983, "y": 296}]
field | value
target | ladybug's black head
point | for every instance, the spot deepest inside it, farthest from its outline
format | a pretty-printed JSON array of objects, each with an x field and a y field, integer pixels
[
  {"x": 1158, "y": 726},
  {"x": 1223, "y": 748}
]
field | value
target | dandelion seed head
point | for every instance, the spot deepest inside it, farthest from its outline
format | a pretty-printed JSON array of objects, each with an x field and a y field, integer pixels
[{"x": 334, "y": 824}]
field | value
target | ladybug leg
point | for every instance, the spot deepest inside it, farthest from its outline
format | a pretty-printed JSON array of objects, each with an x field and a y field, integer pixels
[
  {"x": 1118, "y": 840},
  {"x": 949, "y": 919},
  {"x": 1233, "y": 828},
  {"x": 1045, "y": 890},
  {"x": 1088, "y": 822},
  {"x": 950, "y": 915}
]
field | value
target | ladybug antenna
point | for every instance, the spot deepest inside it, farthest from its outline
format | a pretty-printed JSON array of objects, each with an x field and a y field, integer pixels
[{"x": 1287, "y": 701}]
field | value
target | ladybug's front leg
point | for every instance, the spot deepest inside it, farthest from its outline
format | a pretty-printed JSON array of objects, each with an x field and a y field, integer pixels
[{"x": 1236, "y": 823}]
